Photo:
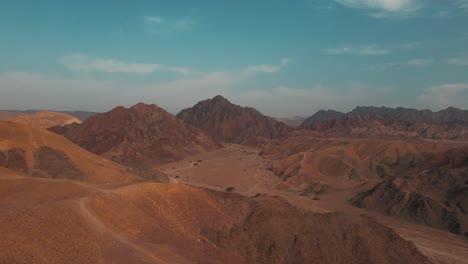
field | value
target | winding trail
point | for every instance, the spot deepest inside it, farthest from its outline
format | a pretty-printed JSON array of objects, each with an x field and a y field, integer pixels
[
  {"x": 259, "y": 182},
  {"x": 99, "y": 226}
]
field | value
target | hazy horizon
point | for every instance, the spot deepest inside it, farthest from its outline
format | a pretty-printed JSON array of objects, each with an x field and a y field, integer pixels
[
  {"x": 177, "y": 111},
  {"x": 283, "y": 58}
]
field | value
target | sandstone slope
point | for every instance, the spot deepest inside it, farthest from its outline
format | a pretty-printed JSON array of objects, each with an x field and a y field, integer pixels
[
  {"x": 45, "y": 119},
  {"x": 62, "y": 222},
  {"x": 40, "y": 153}
]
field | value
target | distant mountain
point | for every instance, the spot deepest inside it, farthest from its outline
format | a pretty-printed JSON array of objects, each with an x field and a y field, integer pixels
[
  {"x": 370, "y": 121},
  {"x": 375, "y": 126},
  {"x": 380, "y": 111},
  {"x": 81, "y": 115},
  {"x": 292, "y": 121},
  {"x": 7, "y": 114},
  {"x": 45, "y": 119},
  {"x": 434, "y": 194},
  {"x": 447, "y": 116},
  {"x": 227, "y": 122},
  {"x": 322, "y": 115},
  {"x": 450, "y": 115},
  {"x": 139, "y": 135}
]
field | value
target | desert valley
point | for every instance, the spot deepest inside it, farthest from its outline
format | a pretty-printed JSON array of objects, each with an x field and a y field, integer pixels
[
  {"x": 221, "y": 181},
  {"x": 234, "y": 132}
]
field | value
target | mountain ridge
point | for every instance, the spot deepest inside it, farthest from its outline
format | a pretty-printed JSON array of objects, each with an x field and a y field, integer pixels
[{"x": 224, "y": 121}]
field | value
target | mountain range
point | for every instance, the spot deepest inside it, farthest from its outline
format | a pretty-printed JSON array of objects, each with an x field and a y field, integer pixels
[
  {"x": 222, "y": 181},
  {"x": 447, "y": 116}
]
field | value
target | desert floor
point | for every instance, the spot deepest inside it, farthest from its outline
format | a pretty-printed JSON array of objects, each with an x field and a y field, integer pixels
[{"x": 247, "y": 172}]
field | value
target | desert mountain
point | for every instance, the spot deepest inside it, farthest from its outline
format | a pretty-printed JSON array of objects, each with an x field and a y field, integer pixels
[
  {"x": 306, "y": 162},
  {"x": 45, "y": 119},
  {"x": 434, "y": 194},
  {"x": 292, "y": 121},
  {"x": 40, "y": 153},
  {"x": 449, "y": 116},
  {"x": 322, "y": 115},
  {"x": 138, "y": 135},
  {"x": 381, "y": 111},
  {"x": 224, "y": 121},
  {"x": 169, "y": 223},
  {"x": 81, "y": 115},
  {"x": 375, "y": 126},
  {"x": 420, "y": 181}
]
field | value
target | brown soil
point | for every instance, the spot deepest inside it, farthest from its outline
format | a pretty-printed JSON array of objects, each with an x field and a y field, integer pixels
[
  {"x": 37, "y": 152},
  {"x": 58, "y": 221}
]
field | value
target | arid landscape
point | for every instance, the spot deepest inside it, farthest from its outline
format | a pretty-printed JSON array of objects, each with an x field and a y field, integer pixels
[
  {"x": 139, "y": 185},
  {"x": 234, "y": 132}
]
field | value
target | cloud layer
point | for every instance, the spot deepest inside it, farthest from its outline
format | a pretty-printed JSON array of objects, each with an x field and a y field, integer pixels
[
  {"x": 363, "y": 51},
  {"x": 86, "y": 64},
  {"x": 22, "y": 90},
  {"x": 386, "y": 5},
  {"x": 446, "y": 95},
  {"x": 266, "y": 68}
]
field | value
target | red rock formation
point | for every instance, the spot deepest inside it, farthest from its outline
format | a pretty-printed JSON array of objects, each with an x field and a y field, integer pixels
[
  {"x": 434, "y": 194},
  {"x": 375, "y": 126},
  {"x": 143, "y": 133},
  {"x": 224, "y": 121}
]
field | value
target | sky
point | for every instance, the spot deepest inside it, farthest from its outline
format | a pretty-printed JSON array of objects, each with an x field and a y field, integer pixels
[{"x": 285, "y": 58}]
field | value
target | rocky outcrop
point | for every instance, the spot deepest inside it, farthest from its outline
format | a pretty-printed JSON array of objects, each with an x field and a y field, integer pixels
[
  {"x": 138, "y": 135},
  {"x": 434, "y": 194},
  {"x": 226, "y": 122}
]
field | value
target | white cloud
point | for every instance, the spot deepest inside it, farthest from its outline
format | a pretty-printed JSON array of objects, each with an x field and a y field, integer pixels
[
  {"x": 462, "y": 3},
  {"x": 266, "y": 68},
  {"x": 184, "y": 23},
  {"x": 398, "y": 65},
  {"x": 26, "y": 91},
  {"x": 293, "y": 101},
  {"x": 22, "y": 90},
  {"x": 158, "y": 25},
  {"x": 86, "y": 64},
  {"x": 458, "y": 61},
  {"x": 387, "y": 5},
  {"x": 363, "y": 51},
  {"x": 446, "y": 95},
  {"x": 154, "y": 19},
  {"x": 384, "y": 8},
  {"x": 420, "y": 62}
]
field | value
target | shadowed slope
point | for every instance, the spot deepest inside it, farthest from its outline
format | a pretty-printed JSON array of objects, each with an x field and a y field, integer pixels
[
  {"x": 434, "y": 194},
  {"x": 224, "y": 121},
  {"x": 139, "y": 135}
]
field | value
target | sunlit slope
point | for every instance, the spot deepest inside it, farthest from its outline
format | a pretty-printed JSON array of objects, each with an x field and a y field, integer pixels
[
  {"x": 41, "y": 153},
  {"x": 45, "y": 221},
  {"x": 45, "y": 119}
]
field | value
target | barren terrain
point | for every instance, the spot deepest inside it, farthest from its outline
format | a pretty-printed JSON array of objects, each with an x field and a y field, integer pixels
[
  {"x": 65, "y": 221},
  {"x": 250, "y": 174}
]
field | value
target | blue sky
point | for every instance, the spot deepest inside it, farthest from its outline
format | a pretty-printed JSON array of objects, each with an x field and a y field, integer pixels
[{"x": 283, "y": 57}]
